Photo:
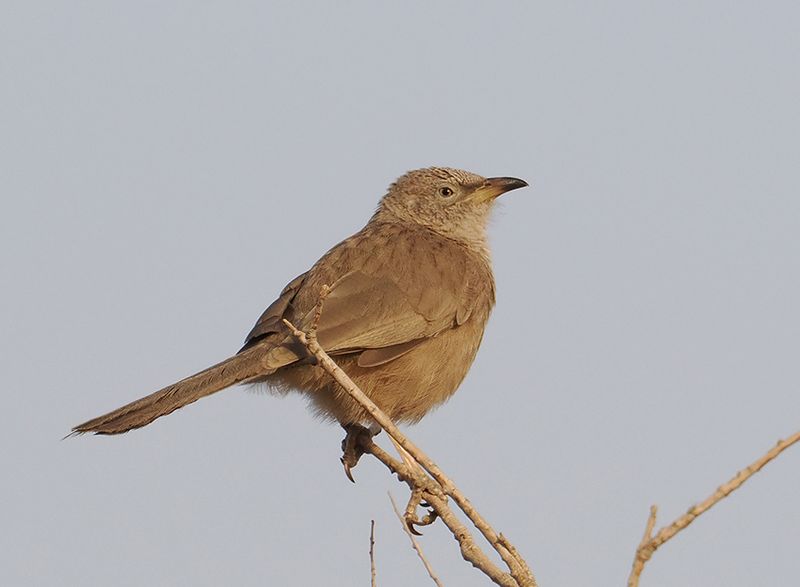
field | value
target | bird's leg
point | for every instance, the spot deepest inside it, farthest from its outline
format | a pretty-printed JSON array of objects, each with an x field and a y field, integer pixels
[
  {"x": 351, "y": 448},
  {"x": 410, "y": 515},
  {"x": 351, "y": 453}
]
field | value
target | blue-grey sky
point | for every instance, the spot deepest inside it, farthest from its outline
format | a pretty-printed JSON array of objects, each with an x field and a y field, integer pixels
[{"x": 165, "y": 168}]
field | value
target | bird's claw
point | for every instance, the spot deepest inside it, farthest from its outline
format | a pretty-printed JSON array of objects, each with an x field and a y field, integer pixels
[
  {"x": 410, "y": 515},
  {"x": 351, "y": 447},
  {"x": 412, "y": 521},
  {"x": 347, "y": 466}
]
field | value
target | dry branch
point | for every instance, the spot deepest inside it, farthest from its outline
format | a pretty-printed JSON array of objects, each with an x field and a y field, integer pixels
[
  {"x": 651, "y": 543},
  {"x": 434, "y": 489}
]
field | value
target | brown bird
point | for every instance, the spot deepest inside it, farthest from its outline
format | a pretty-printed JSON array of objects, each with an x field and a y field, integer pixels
[{"x": 410, "y": 294}]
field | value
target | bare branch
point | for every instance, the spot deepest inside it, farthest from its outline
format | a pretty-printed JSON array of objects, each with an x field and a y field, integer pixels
[
  {"x": 373, "y": 573},
  {"x": 650, "y": 543},
  {"x": 415, "y": 545},
  {"x": 435, "y": 492}
]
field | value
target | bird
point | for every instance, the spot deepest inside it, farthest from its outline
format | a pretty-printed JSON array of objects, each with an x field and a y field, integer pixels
[{"x": 408, "y": 298}]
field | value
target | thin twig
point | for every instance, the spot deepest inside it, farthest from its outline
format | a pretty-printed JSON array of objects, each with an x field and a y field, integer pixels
[
  {"x": 324, "y": 292},
  {"x": 650, "y": 543},
  {"x": 414, "y": 543},
  {"x": 373, "y": 573}
]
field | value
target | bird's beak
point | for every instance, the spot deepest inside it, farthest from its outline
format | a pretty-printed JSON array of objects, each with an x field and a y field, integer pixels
[{"x": 496, "y": 186}]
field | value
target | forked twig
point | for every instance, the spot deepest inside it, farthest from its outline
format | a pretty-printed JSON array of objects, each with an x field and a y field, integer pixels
[{"x": 650, "y": 543}]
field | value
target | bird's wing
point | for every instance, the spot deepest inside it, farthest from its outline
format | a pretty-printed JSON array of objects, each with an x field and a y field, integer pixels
[
  {"x": 375, "y": 357},
  {"x": 386, "y": 307},
  {"x": 384, "y": 317},
  {"x": 384, "y": 311},
  {"x": 366, "y": 311},
  {"x": 271, "y": 321}
]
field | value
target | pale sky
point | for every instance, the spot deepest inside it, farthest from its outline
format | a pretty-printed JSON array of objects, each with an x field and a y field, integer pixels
[{"x": 166, "y": 168}]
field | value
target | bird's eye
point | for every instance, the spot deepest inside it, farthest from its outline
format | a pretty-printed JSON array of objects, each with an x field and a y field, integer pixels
[{"x": 445, "y": 192}]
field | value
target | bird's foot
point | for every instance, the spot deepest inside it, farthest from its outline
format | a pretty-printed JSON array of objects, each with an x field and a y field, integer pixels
[
  {"x": 351, "y": 446},
  {"x": 410, "y": 516}
]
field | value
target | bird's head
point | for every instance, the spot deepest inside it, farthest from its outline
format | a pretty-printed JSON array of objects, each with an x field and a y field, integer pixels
[{"x": 452, "y": 202}]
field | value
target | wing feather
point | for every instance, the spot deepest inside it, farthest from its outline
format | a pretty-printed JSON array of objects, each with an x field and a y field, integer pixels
[{"x": 390, "y": 303}]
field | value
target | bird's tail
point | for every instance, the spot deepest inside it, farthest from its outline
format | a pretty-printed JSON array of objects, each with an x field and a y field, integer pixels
[{"x": 246, "y": 365}]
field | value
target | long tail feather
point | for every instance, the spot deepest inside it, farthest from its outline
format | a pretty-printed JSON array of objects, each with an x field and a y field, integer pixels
[{"x": 239, "y": 368}]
